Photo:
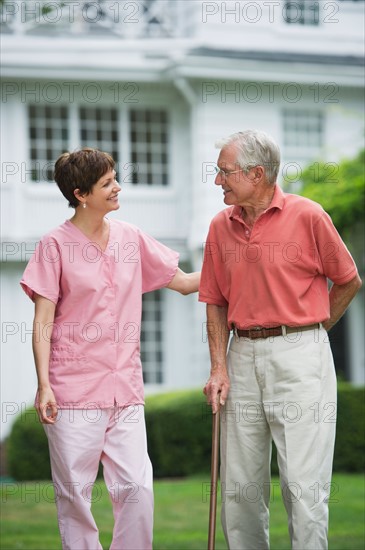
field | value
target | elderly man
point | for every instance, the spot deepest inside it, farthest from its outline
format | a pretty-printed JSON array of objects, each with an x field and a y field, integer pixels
[{"x": 267, "y": 262}]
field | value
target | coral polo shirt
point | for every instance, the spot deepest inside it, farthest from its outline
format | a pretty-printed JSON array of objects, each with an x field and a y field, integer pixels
[
  {"x": 95, "y": 338},
  {"x": 276, "y": 273}
]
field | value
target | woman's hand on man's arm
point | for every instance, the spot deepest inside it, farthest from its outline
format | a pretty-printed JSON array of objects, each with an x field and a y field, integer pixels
[{"x": 185, "y": 283}]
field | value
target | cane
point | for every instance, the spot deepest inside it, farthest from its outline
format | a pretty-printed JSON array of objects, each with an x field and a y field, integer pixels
[{"x": 214, "y": 480}]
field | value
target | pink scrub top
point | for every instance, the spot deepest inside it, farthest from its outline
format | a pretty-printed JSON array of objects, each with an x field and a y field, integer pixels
[{"x": 95, "y": 338}]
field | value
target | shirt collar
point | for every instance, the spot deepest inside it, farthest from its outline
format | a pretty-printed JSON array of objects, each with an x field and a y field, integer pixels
[{"x": 276, "y": 202}]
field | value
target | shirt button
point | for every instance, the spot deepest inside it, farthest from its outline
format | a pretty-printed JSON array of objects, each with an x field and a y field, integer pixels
[{"x": 247, "y": 232}]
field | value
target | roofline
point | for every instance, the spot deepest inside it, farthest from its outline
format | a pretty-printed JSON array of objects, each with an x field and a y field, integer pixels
[{"x": 278, "y": 56}]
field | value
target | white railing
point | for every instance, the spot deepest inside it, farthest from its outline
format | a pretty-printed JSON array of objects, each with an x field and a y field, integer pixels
[{"x": 122, "y": 18}]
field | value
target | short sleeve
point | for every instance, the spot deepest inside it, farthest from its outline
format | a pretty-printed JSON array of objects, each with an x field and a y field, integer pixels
[
  {"x": 209, "y": 289},
  {"x": 159, "y": 263},
  {"x": 336, "y": 261},
  {"x": 42, "y": 274}
]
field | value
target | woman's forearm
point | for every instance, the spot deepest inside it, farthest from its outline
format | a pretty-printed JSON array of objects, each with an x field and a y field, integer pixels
[
  {"x": 41, "y": 353},
  {"x": 43, "y": 318},
  {"x": 185, "y": 283}
]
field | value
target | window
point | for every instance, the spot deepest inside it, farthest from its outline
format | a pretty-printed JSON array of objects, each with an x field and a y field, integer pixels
[
  {"x": 149, "y": 146},
  {"x": 303, "y": 141},
  {"x": 301, "y": 13},
  {"x": 151, "y": 338},
  {"x": 99, "y": 129},
  {"x": 303, "y": 128},
  {"x": 48, "y": 138},
  {"x": 50, "y": 128}
]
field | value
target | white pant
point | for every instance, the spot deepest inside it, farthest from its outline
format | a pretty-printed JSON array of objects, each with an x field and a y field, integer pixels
[
  {"x": 77, "y": 442},
  {"x": 282, "y": 388}
]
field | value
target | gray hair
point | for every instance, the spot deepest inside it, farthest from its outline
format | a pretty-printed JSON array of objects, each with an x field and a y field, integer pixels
[{"x": 255, "y": 148}]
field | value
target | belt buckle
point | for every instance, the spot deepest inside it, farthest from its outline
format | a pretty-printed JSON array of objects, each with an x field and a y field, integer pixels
[{"x": 256, "y": 332}]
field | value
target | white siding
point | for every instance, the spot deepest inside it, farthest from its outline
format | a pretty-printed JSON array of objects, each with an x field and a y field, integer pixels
[
  {"x": 221, "y": 114},
  {"x": 260, "y": 26},
  {"x": 18, "y": 378}
]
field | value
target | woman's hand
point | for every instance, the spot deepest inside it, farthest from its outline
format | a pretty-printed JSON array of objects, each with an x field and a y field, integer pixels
[
  {"x": 185, "y": 283},
  {"x": 46, "y": 406}
]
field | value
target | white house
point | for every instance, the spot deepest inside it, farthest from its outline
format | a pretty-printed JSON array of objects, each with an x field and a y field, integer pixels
[{"x": 156, "y": 83}]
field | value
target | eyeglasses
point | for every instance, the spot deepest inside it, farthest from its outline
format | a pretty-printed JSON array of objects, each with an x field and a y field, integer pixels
[{"x": 225, "y": 173}]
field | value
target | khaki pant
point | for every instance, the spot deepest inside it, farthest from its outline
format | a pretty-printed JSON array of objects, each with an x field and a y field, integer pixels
[{"x": 282, "y": 388}]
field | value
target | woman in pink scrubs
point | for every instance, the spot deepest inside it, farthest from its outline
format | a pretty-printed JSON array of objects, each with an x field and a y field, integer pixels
[{"x": 86, "y": 279}]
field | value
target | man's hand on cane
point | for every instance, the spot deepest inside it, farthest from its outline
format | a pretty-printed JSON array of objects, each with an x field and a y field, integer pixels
[{"x": 218, "y": 383}]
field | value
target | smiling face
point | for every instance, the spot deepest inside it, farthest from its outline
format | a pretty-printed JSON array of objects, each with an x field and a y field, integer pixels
[
  {"x": 103, "y": 196},
  {"x": 239, "y": 187}
]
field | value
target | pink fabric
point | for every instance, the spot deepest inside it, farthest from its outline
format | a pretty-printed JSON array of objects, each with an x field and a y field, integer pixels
[
  {"x": 117, "y": 436},
  {"x": 277, "y": 273},
  {"x": 95, "y": 351}
]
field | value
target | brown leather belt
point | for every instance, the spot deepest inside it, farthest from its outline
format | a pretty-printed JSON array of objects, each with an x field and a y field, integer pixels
[{"x": 262, "y": 332}]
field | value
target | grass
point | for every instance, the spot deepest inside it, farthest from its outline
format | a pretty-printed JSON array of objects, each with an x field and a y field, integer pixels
[{"x": 29, "y": 518}]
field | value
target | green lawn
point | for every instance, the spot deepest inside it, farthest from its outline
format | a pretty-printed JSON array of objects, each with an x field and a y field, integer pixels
[{"x": 28, "y": 518}]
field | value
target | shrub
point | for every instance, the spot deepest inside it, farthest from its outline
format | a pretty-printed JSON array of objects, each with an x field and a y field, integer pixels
[
  {"x": 349, "y": 449},
  {"x": 27, "y": 448},
  {"x": 179, "y": 433},
  {"x": 179, "y": 427}
]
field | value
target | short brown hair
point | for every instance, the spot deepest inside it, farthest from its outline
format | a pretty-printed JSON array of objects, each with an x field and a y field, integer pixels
[{"x": 81, "y": 170}]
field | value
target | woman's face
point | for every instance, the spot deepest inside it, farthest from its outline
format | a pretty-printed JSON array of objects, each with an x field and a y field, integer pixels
[{"x": 104, "y": 194}]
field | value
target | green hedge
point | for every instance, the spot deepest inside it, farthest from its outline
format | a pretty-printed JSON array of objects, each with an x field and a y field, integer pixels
[
  {"x": 349, "y": 449},
  {"x": 179, "y": 436},
  {"x": 179, "y": 432},
  {"x": 27, "y": 448}
]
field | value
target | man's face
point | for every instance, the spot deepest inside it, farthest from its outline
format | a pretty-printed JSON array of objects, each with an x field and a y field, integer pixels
[{"x": 237, "y": 187}]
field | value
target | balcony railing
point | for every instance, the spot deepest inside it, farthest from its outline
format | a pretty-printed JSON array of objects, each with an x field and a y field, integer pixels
[{"x": 123, "y": 18}]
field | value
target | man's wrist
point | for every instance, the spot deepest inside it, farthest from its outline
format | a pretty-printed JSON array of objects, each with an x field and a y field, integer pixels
[{"x": 220, "y": 368}]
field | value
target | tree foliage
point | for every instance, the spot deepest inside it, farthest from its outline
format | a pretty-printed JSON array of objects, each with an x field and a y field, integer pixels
[{"x": 339, "y": 188}]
